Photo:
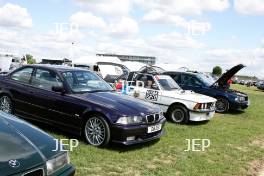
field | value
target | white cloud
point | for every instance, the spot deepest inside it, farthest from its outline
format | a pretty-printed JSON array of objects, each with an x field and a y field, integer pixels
[
  {"x": 113, "y": 7},
  {"x": 12, "y": 15},
  {"x": 175, "y": 41},
  {"x": 123, "y": 28},
  {"x": 186, "y": 7},
  {"x": 230, "y": 57},
  {"x": 249, "y": 7},
  {"x": 159, "y": 17},
  {"x": 87, "y": 20}
]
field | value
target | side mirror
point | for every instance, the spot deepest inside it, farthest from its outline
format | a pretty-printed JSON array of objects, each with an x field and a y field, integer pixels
[{"x": 58, "y": 89}]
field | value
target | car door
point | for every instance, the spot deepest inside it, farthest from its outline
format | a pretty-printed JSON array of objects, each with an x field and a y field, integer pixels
[
  {"x": 19, "y": 86},
  {"x": 54, "y": 107}
]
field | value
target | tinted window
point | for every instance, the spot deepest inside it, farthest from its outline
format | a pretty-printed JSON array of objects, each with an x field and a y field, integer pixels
[
  {"x": 45, "y": 79},
  {"x": 23, "y": 75},
  {"x": 176, "y": 77},
  {"x": 190, "y": 80}
]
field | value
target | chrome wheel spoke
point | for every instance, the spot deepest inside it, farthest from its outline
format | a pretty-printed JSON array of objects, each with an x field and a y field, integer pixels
[
  {"x": 5, "y": 104},
  {"x": 95, "y": 131}
]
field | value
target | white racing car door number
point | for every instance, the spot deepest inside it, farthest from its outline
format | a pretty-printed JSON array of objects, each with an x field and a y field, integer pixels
[{"x": 152, "y": 95}]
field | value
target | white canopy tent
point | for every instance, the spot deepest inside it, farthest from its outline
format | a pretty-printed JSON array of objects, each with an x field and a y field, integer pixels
[
  {"x": 172, "y": 67},
  {"x": 104, "y": 69},
  {"x": 133, "y": 66}
]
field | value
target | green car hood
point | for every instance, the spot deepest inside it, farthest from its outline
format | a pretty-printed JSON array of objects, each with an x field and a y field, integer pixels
[{"x": 24, "y": 143}]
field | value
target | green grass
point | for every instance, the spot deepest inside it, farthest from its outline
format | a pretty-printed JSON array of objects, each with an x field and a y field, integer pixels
[{"x": 236, "y": 141}]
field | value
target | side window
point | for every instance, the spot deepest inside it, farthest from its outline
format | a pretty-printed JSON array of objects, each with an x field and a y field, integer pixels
[
  {"x": 150, "y": 83},
  {"x": 23, "y": 75},
  {"x": 186, "y": 79},
  {"x": 196, "y": 81},
  {"x": 177, "y": 78},
  {"x": 135, "y": 78},
  {"x": 45, "y": 79}
]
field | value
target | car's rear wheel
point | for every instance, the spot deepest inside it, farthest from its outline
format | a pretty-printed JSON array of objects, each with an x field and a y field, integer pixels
[
  {"x": 222, "y": 105},
  {"x": 6, "y": 104},
  {"x": 97, "y": 131},
  {"x": 178, "y": 114}
]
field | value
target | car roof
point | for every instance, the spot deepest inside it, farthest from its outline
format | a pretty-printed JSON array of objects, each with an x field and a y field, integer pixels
[
  {"x": 186, "y": 72},
  {"x": 60, "y": 68}
]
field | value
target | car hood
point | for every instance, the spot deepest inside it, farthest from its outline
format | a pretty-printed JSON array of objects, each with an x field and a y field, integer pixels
[
  {"x": 124, "y": 104},
  {"x": 222, "y": 81},
  {"x": 24, "y": 143},
  {"x": 188, "y": 95}
]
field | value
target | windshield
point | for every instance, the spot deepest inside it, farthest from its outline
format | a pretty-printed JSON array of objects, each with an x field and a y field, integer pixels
[
  {"x": 208, "y": 80},
  {"x": 167, "y": 83},
  {"x": 85, "y": 81}
]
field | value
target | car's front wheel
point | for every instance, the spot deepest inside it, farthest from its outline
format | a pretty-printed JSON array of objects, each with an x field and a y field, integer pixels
[
  {"x": 178, "y": 114},
  {"x": 97, "y": 131},
  {"x": 6, "y": 104},
  {"x": 222, "y": 105}
]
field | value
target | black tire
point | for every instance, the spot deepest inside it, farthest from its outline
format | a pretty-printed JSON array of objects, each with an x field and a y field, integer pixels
[
  {"x": 6, "y": 104},
  {"x": 178, "y": 114},
  {"x": 222, "y": 105},
  {"x": 96, "y": 131}
]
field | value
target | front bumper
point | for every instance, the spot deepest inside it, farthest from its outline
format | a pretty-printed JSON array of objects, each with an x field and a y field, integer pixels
[
  {"x": 120, "y": 133},
  {"x": 201, "y": 116},
  {"x": 68, "y": 170},
  {"x": 239, "y": 105}
]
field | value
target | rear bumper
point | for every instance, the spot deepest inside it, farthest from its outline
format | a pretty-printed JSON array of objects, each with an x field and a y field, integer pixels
[
  {"x": 120, "y": 133},
  {"x": 201, "y": 116}
]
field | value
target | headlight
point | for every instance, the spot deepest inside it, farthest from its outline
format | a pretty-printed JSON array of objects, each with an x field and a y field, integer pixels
[
  {"x": 240, "y": 99},
  {"x": 161, "y": 114},
  {"x": 57, "y": 163},
  {"x": 129, "y": 120}
]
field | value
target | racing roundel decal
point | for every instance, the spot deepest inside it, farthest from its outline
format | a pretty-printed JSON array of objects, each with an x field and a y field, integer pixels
[{"x": 152, "y": 95}]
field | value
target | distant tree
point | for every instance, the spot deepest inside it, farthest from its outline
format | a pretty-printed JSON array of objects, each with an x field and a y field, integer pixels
[
  {"x": 30, "y": 59},
  {"x": 217, "y": 70}
]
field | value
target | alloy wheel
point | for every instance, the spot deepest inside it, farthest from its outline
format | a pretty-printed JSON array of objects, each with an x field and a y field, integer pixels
[
  {"x": 6, "y": 104},
  {"x": 95, "y": 131},
  {"x": 221, "y": 105}
]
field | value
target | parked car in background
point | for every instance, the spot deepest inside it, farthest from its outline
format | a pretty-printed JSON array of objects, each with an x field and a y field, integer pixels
[
  {"x": 200, "y": 83},
  {"x": 242, "y": 82},
  {"x": 260, "y": 85},
  {"x": 180, "y": 106},
  {"x": 80, "y": 102},
  {"x": 25, "y": 150}
]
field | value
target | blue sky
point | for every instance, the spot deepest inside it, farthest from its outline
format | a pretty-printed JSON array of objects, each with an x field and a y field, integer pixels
[{"x": 195, "y": 33}]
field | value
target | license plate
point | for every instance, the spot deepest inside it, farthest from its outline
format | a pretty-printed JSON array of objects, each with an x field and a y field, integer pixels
[{"x": 154, "y": 128}]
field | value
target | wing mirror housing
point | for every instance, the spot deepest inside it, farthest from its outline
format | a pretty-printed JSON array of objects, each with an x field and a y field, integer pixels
[{"x": 58, "y": 89}]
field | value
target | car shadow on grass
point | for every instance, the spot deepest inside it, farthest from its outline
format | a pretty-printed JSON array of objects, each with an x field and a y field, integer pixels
[
  {"x": 125, "y": 148},
  {"x": 194, "y": 123},
  {"x": 235, "y": 112}
]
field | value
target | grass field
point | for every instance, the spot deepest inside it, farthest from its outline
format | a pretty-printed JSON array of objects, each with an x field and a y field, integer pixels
[{"x": 237, "y": 148}]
